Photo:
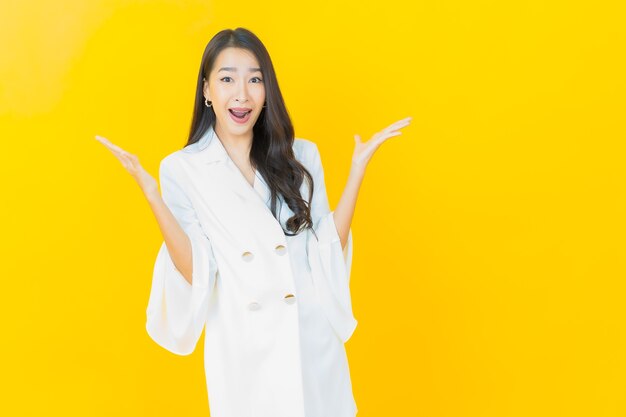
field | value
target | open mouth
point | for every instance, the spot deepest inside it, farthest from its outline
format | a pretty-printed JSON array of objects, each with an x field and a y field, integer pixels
[
  {"x": 239, "y": 114},
  {"x": 240, "y": 117}
]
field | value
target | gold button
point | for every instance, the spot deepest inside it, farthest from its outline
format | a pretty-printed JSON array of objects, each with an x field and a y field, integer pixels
[
  {"x": 247, "y": 256},
  {"x": 290, "y": 299},
  {"x": 253, "y": 306},
  {"x": 280, "y": 249}
]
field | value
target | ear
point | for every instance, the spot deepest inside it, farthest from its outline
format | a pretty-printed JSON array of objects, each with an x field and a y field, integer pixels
[{"x": 205, "y": 89}]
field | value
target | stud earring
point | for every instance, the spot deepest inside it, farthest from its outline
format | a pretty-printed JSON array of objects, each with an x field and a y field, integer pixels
[{"x": 206, "y": 103}]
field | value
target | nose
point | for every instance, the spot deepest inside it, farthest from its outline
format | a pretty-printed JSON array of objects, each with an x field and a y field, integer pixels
[{"x": 242, "y": 93}]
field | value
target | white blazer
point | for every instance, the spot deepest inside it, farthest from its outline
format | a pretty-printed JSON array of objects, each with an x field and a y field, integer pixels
[{"x": 243, "y": 291}]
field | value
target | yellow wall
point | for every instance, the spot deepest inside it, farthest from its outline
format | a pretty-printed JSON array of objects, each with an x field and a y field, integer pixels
[{"x": 488, "y": 277}]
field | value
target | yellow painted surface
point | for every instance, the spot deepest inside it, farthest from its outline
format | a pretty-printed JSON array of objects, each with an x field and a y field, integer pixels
[{"x": 488, "y": 277}]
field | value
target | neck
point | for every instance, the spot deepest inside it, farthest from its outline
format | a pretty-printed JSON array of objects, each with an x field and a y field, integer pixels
[{"x": 236, "y": 145}]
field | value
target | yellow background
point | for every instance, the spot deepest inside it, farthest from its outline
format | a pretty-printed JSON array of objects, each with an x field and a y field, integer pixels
[{"x": 488, "y": 277}]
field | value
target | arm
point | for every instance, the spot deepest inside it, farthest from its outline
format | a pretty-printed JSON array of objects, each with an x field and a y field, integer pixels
[
  {"x": 173, "y": 211},
  {"x": 185, "y": 270},
  {"x": 330, "y": 258},
  {"x": 179, "y": 304},
  {"x": 344, "y": 212},
  {"x": 362, "y": 154},
  {"x": 176, "y": 239}
]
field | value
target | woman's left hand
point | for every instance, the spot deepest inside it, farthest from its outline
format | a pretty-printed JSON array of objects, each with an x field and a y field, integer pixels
[{"x": 363, "y": 151}]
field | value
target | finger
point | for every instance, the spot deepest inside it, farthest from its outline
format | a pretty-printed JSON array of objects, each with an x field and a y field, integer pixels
[
  {"x": 108, "y": 144},
  {"x": 117, "y": 154},
  {"x": 397, "y": 125},
  {"x": 383, "y": 137},
  {"x": 126, "y": 163},
  {"x": 134, "y": 162},
  {"x": 122, "y": 159},
  {"x": 404, "y": 122},
  {"x": 121, "y": 152},
  {"x": 391, "y": 131},
  {"x": 126, "y": 159},
  {"x": 104, "y": 141},
  {"x": 114, "y": 149}
]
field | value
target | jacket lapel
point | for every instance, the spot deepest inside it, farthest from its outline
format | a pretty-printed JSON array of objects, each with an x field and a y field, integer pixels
[{"x": 211, "y": 152}]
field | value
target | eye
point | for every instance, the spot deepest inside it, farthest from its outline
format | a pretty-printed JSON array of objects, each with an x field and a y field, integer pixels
[{"x": 255, "y": 78}]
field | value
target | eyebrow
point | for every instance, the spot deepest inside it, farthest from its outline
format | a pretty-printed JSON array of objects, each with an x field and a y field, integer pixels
[{"x": 233, "y": 69}]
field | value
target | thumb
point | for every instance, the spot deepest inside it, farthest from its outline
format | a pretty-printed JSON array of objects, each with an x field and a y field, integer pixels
[{"x": 357, "y": 139}]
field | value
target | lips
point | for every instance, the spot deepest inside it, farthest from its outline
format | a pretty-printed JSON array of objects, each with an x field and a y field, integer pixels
[
  {"x": 240, "y": 117},
  {"x": 239, "y": 111}
]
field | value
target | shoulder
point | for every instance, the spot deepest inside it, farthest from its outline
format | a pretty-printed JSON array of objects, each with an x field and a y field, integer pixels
[
  {"x": 170, "y": 165},
  {"x": 305, "y": 150},
  {"x": 187, "y": 154},
  {"x": 170, "y": 160}
]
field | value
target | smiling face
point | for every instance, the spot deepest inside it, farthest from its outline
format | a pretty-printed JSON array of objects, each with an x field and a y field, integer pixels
[{"x": 235, "y": 87}]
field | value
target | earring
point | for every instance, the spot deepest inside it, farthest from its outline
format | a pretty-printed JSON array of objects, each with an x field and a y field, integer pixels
[{"x": 206, "y": 103}]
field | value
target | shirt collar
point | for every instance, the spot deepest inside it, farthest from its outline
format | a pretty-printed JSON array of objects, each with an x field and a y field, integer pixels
[{"x": 208, "y": 148}]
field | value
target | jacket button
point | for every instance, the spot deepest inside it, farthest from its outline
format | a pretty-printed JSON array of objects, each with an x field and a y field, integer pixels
[
  {"x": 280, "y": 249},
  {"x": 290, "y": 299},
  {"x": 253, "y": 306},
  {"x": 247, "y": 256}
]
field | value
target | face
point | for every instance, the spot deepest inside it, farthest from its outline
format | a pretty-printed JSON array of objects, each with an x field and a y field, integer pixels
[{"x": 235, "y": 86}]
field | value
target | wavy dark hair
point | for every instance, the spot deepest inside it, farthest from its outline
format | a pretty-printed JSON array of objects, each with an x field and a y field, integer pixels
[{"x": 273, "y": 133}]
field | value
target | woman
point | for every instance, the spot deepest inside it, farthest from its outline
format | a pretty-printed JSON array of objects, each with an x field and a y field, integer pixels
[{"x": 252, "y": 253}]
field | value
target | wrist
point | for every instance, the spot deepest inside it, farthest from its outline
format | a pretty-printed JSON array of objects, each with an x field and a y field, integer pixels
[
  {"x": 153, "y": 196},
  {"x": 357, "y": 170}
]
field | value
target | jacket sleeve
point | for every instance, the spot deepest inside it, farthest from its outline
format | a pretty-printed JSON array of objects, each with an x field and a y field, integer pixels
[
  {"x": 177, "y": 310},
  {"x": 330, "y": 264}
]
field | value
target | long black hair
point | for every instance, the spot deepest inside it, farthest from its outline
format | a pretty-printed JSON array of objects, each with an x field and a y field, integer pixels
[{"x": 273, "y": 133}]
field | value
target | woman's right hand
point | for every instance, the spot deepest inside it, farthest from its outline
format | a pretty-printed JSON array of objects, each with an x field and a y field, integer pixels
[{"x": 131, "y": 162}]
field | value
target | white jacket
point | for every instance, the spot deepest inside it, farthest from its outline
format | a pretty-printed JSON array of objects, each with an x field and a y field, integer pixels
[{"x": 243, "y": 290}]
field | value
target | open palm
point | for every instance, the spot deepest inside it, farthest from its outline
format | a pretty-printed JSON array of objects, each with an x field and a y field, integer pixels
[
  {"x": 363, "y": 151},
  {"x": 131, "y": 162}
]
